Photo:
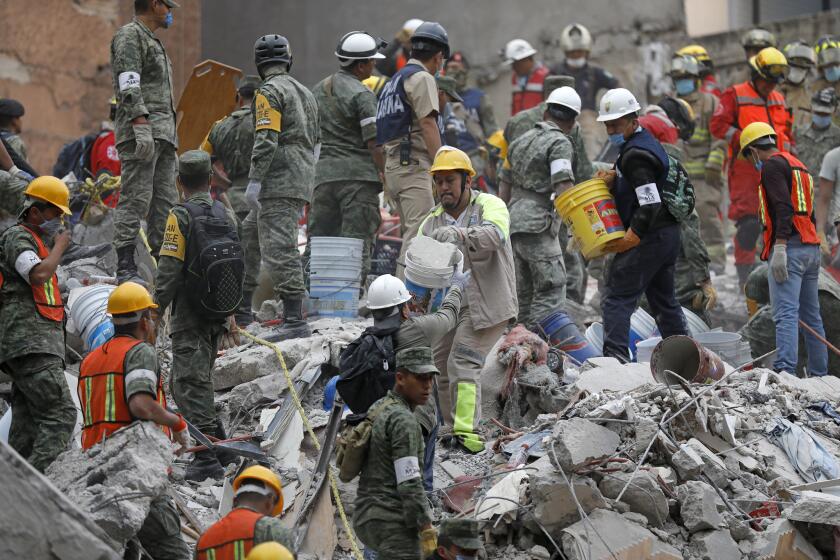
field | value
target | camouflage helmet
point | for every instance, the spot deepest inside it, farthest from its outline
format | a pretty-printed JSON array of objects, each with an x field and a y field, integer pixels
[{"x": 757, "y": 287}]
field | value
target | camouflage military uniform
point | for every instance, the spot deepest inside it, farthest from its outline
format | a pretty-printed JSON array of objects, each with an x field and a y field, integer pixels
[
  {"x": 142, "y": 79},
  {"x": 11, "y": 193},
  {"x": 821, "y": 83},
  {"x": 195, "y": 340},
  {"x": 798, "y": 100},
  {"x": 32, "y": 353},
  {"x": 812, "y": 145},
  {"x": 15, "y": 142},
  {"x": 286, "y": 135},
  {"x": 692, "y": 268},
  {"x": 391, "y": 505},
  {"x": 346, "y": 199},
  {"x": 704, "y": 155},
  {"x": 231, "y": 140},
  {"x": 538, "y": 161}
]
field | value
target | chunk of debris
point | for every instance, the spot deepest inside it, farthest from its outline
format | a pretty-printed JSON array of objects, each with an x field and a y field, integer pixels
[
  {"x": 579, "y": 441},
  {"x": 714, "y": 545},
  {"x": 643, "y": 494},
  {"x": 608, "y": 535},
  {"x": 698, "y": 507}
]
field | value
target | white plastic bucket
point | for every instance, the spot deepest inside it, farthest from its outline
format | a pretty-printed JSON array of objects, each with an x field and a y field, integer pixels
[
  {"x": 595, "y": 335},
  {"x": 334, "y": 297},
  {"x": 336, "y": 258},
  {"x": 644, "y": 348},
  {"x": 88, "y": 311},
  {"x": 727, "y": 345},
  {"x": 431, "y": 276},
  {"x": 696, "y": 325}
]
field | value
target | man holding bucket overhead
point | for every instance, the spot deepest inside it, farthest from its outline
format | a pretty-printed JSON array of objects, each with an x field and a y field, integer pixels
[
  {"x": 647, "y": 254},
  {"x": 479, "y": 224},
  {"x": 786, "y": 209}
]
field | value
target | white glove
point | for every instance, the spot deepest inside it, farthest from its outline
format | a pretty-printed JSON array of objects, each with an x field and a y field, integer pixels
[
  {"x": 778, "y": 263},
  {"x": 144, "y": 144},
  {"x": 252, "y": 195},
  {"x": 448, "y": 234}
]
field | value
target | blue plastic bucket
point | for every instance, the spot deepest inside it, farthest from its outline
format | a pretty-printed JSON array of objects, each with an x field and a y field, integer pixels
[
  {"x": 564, "y": 334},
  {"x": 421, "y": 292},
  {"x": 100, "y": 335},
  {"x": 334, "y": 297}
]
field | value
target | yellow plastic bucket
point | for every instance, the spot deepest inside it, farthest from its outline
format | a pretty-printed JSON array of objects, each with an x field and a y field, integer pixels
[{"x": 590, "y": 213}]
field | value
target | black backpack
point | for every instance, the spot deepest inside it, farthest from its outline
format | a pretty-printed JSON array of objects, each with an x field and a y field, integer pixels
[
  {"x": 215, "y": 266},
  {"x": 75, "y": 156},
  {"x": 368, "y": 368},
  {"x": 678, "y": 192}
]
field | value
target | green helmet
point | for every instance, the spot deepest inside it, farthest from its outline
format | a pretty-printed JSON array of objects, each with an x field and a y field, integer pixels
[{"x": 757, "y": 287}]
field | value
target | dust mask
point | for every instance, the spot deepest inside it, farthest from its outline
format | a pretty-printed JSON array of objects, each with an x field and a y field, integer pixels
[{"x": 576, "y": 62}]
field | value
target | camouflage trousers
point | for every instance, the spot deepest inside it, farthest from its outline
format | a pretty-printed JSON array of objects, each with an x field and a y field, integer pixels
[
  {"x": 540, "y": 275},
  {"x": 44, "y": 415},
  {"x": 278, "y": 234},
  {"x": 709, "y": 201},
  {"x": 390, "y": 540},
  {"x": 576, "y": 276},
  {"x": 147, "y": 193},
  {"x": 345, "y": 209},
  {"x": 193, "y": 354},
  {"x": 160, "y": 534},
  {"x": 249, "y": 236}
]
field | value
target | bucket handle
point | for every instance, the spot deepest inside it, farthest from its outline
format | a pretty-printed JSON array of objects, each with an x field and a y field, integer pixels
[{"x": 326, "y": 296}]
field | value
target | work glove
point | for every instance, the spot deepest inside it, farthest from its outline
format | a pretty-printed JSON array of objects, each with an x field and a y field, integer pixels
[
  {"x": 607, "y": 176},
  {"x": 252, "y": 195},
  {"x": 706, "y": 298},
  {"x": 231, "y": 337},
  {"x": 461, "y": 279},
  {"x": 624, "y": 244},
  {"x": 778, "y": 263},
  {"x": 713, "y": 177},
  {"x": 144, "y": 144},
  {"x": 449, "y": 234},
  {"x": 20, "y": 173},
  {"x": 428, "y": 541},
  {"x": 181, "y": 435}
]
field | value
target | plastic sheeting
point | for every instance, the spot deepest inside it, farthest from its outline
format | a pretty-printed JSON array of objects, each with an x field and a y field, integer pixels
[{"x": 808, "y": 456}]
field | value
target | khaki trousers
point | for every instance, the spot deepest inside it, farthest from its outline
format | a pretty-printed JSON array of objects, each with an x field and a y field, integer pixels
[{"x": 409, "y": 189}]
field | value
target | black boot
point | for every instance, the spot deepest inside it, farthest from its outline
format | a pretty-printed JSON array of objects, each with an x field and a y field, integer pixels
[
  {"x": 244, "y": 316},
  {"x": 294, "y": 325},
  {"x": 225, "y": 457},
  {"x": 204, "y": 465},
  {"x": 126, "y": 268}
]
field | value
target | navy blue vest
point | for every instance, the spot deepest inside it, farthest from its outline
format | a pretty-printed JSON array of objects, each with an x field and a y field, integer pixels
[
  {"x": 393, "y": 114},
  {"x": 625, "y": 195},
  {"x": 472, "y": 101}
]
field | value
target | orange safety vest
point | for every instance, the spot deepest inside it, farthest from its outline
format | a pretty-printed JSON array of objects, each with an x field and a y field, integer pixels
[
  {"x": 102, "y": 391},
  {"x": 230, "y": 538},
  {"x": 754, "y": 108},
  {"x": 401, "y": 60},
  {"x": 532, "y": 94},
  {"x": 802, "y": 199},
  {"x": 47, "y": 296}
]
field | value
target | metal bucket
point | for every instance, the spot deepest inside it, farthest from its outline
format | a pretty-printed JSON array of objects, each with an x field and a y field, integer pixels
[{"x": 687, "y": 358}]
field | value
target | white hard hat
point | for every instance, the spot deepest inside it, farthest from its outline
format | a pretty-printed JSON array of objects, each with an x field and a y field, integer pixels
[
  {"x": 518, "y": 49},
  {"x": 565, "y": 96},
  {"x": 575, "y": 37},
  {"x": 358, "y": 45},
  {"x": 387, "y": 291},
  {"x": 412, "y": 24},
  {"x": 617, "y": 103}
]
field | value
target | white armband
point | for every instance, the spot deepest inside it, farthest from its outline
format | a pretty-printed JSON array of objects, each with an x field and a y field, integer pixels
[
  {"x": 648, "y": 194},
  {"x": 25, "y": 262},
  {"x": 364, "y": 122},
  {"x": 128, "y": 80},
  {"x": 136, "y": 374},
  {"x": 559, "y": 165},
  {"x": 406, "y": 468}
]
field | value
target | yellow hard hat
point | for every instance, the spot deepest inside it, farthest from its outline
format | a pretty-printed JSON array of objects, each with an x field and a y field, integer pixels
[
  {"x": 268, "y": 478},
  {"x": 130, "y": 297},
  {"x": 270, "y": 551},
  {"x": 770, "y": 63},
  {"x": 756, "y": 131},
  {"x": 497, "y": 140},
  {"x": 448, "y": 158},
  {"x": 697, "y": 51},
  {"x": 50, "y": 189},
  {"x": 375, "y": 84}
]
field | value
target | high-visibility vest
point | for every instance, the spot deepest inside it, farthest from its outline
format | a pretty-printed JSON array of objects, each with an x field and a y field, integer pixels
[
  {"x": 102, "y": 391},
  {"x": 230, "y": 538},
  {"x": 802, "y": 199},
  {"x": 754, "y": 108},
  {"x": 532, "y": 94},
  {"x": 47, "y": 295}
]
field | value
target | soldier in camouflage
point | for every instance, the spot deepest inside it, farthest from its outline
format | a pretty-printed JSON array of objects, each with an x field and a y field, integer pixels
[
  {"x": 458, "y": 539},
  {"x": 392, "y": 515},
  {"x": 348, "y": 174},
  {"x": 11, "y": 115},
  {"x": 539, "y": 164},
  {"x": 282, "y": 174},
  {"x": 195, "y": 340},
  {"x": 11, "y": 192},
  {"x": 815, "y": 139},
  {"x": 32, "y": 324},
  {"x": 692, "y": 281},
  {"x": 229, "y": 144},
  {"x": 146, "y": 139}
]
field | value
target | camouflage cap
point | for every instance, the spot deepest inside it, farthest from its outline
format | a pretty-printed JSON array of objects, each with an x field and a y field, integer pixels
[
  {"x": 172, "y": 3},
  {"x": 194, "y": 162},
  {"x": 462, "y": 532},
  {"x": 447, "y": 85},
  {"x": 556, "y": 81},
  {"x": 757, "y": 287},
  {"x": 417, "y": 360},
  {"x": 248, "y": 82},
  {"x": 824, "y": 101}
]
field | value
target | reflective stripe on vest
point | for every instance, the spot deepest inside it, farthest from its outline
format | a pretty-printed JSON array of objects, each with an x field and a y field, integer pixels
[
  {"x": 101, "y": 391},
  {"x": 47, "y": 296},
  {"x": 532, "y": 94},
  {"x": 753, "y": 108},
  {"x": 802, "y": 200},
  {"x": 231, "y": 538}
]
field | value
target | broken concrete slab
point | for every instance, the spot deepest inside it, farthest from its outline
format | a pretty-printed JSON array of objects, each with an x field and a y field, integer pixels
[
  {"x": 782, "y": 541},
  {"x": 643, "y": 494},
  {"x": 816, "y": 507},
  {"x": 261, "y": 391},
  {"x": 246, "y": 363},
  {"x": 579, "y": 441},
  {"x": 714, "y": 545},
  {"x": 133, "y": 460},
  {"x": 610, "y": 375},
  {"x": 698, "y": 507},
  {"x": 622, "y": 540},
  {"x": 554, "y": 505},
  {"x": 687, "y": 462}
]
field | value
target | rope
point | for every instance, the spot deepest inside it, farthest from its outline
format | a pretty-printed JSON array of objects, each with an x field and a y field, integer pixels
[{"x": 333, "y": 484}]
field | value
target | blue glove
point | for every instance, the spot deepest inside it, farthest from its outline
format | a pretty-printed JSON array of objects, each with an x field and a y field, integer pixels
[{"x": 461, "y": 279}]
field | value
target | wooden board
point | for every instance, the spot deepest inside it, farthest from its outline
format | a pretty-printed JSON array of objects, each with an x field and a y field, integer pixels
[{"x": 210, "y": 94}]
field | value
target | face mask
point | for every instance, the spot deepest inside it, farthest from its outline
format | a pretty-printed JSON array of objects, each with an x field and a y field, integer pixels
[
  {"x": 168, "y": 21},
  {"x": 617, "y": 139},
  {"x": 462, "y": 557},
  {"x": 821, "y": 121},
  {"x": 832, "y": 74},
  {"x": 51, "y": 227},
  {"x": 460, "y": 77},
  {"x": 576, "y": 62},
  {"x": 797, "y": 75},
  {"x": 684, "y": 86}
]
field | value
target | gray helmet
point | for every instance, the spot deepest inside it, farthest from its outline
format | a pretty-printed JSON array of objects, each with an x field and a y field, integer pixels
[
  {"x": 431, "y": 34},
  {"x": 272, "y": 48},
  {"x": 685, "y": 66}
]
